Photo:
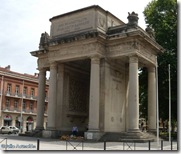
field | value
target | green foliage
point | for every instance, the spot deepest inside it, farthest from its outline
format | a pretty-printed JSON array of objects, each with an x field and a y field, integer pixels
[{"x": 161, "y": 15}]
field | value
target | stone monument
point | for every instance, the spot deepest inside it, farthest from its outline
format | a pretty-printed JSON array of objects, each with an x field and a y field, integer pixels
[{"x": 93, "y": 58}]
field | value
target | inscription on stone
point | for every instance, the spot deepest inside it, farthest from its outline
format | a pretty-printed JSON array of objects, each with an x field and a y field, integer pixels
[{"x": 72, "y": 24}]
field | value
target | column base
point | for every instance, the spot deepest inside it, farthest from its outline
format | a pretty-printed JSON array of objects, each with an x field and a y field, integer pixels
[
  {"x": 39, "y": 128},
  {"x": 50, "y": 133},
  {"x": 152, "y": 130},
  {"x": 93, "y": 135},
  {"x": 51, "y": 128},
  {"x": 134, "y": 130}
]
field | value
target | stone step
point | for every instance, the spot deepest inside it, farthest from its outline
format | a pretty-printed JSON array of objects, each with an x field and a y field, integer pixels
[{"x": 130, "y": 137}]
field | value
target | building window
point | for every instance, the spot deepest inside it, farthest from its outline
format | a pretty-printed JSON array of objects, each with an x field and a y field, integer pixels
[
  {"x": 7, "y": 104},
  {"x": 46, "y": 96},
  {"x": 31, "y": 106},
  {"x": 17, "y": 90},
  {"x": 45, "y": 108},
  {"x": 9, "y": 88},
  {"x": 24, "y": 91},
  {"x": 24, "y": 106},
  {"x": 32, "y": 92},
  {"x": 16, "y": 105}
]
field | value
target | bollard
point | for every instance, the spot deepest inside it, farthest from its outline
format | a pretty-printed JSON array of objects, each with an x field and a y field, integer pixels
[
  {"x": 82, "y": 145},
  {"x": 161, "y": 144},
  {"x": 149, "y": 145},
  {"x": 38, "y": 144},
  {"x": 104, "y": 145},
  {"x": 171, "y": 145}
]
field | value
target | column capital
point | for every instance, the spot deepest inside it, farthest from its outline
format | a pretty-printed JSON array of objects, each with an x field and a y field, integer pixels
[
  {"x": 42, "y": 69},
  {"x": 95, "y": 60},
  {"x": 133, "y": 59},
  {"x": 53, "y": 65},
  {"x": 151, "y": 69}
]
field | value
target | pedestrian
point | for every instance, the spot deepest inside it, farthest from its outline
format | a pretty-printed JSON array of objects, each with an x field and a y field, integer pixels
[{"x": 74, "y": 130}]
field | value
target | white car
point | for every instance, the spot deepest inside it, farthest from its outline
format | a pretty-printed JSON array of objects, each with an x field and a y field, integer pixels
[
  {"x": 14, "y": 129},
  {"x": 5, "y": 130}
]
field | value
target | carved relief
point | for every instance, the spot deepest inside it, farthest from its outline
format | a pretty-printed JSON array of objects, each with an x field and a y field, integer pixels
[
  {"x": 43, "y": 62},
  {"x": 124, "y": 48},
  {"x": 133, "y": 59},
  {"x": 147, "y": 54},
  {"x": 135, "y": 45},
  {"x": 78, "y": 94},
  {"x": 116, "y": 74},
  {"x": 116, "y": 96},
  {"x": 101, "y": 21},
  {"x": 71, "y": 24},
  {"x": 78, "y": 51}
]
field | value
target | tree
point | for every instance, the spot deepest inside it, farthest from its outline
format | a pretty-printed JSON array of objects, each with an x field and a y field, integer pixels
[{"x": 161, "y": 15}]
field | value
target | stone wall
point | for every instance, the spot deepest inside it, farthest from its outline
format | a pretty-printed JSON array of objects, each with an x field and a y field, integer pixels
[{"x": 115, "y": 100}]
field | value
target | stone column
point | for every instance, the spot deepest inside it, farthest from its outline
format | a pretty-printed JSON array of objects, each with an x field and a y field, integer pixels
[
  {"x": 41, "y": 99},
  {"x": 60, "y": 89},
  {"x": 133, "y": 95},
  {"x": 151, "y": 99},
  {"x": 52, "y": 98},
  {"x": 94, "y": 98}
]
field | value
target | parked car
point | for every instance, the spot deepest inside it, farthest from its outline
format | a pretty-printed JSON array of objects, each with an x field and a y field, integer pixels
[
  {"x": 5, "y": 130},
  {"x": 14, "y": 129}
]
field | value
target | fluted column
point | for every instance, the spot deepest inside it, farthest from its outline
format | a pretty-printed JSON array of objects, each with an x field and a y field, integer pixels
[
  {"x": 133, "y": 95},
  {"x": 151, "y": 99},
  {"x": 52, "y": 98},
  {"x": 41, "y": 99},
  {"x": 94, "y": 94}
]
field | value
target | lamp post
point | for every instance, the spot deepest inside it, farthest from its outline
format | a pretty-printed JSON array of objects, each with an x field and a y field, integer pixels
[
  {"x": 157, "y": 103},
  {"x": 169, "y": 102}
]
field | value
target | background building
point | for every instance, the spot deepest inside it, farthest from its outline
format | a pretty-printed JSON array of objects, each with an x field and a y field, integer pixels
[{"x": 18, "y": 99}]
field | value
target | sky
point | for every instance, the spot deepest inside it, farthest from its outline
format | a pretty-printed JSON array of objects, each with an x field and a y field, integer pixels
[{"x": 23, "y": 21}]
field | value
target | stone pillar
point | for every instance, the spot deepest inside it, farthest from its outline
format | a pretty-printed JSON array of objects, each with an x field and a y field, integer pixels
[
  {"x": 52, "y": 98},
  {"x": 94, "y": 98},
  {"x": 151, "y": 99},
  {"x": 41, "y": 99},
  {"x": 60, "y": 89},
  {"x": 133, "y": 95},
  {"x": 94, "y": 101}
]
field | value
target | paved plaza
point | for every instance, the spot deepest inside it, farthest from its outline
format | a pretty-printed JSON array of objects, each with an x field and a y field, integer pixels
[{"x": 15, "y": 142}]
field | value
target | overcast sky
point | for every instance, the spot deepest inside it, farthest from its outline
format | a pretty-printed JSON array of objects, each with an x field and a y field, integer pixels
[{"x": 23, "y": 21}]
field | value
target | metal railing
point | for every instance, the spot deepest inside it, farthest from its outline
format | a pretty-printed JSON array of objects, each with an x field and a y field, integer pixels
[
  {"x": 103, "y": 146},
  {"x": 4, "y": 146}
]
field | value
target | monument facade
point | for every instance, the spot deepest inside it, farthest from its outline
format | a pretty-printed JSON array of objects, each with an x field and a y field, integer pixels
[{"x": 93, "y": 58}]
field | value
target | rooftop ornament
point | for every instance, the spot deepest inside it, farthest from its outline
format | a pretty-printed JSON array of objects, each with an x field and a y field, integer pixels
[
  {"x": 150, "y": 32},
  {"x": 44, "y": 41},
  {"x": 132, "y": 19}
]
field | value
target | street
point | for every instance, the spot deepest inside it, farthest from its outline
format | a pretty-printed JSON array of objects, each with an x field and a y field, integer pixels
[{"x": 15, "y": 142}]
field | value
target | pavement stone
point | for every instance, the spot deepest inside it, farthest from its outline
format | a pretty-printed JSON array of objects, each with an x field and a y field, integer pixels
[{"x": 30, "y": 143}]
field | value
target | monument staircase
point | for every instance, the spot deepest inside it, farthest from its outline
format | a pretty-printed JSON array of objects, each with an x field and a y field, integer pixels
[{"x": 128, "y": 137}]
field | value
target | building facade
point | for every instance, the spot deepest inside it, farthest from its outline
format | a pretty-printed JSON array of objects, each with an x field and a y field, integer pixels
[
  {"x": 18, "y": 99},
  {"x": 93, "y": 58}
]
